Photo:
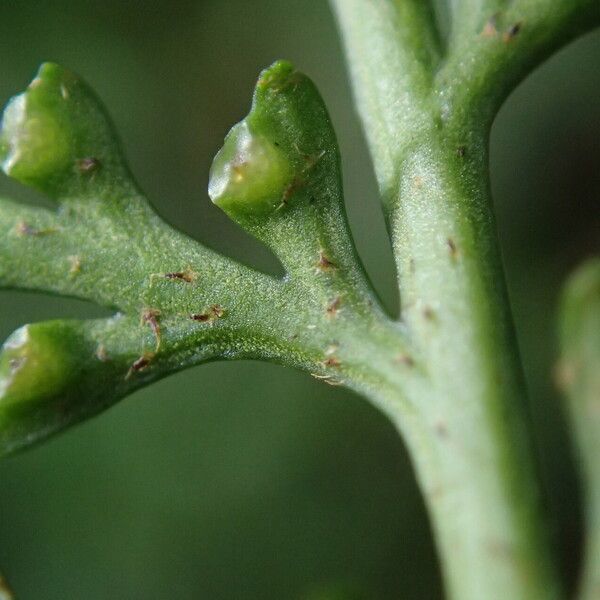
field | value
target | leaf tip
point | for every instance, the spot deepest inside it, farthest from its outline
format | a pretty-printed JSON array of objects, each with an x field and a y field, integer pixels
[{"x": 56, "y": 133}]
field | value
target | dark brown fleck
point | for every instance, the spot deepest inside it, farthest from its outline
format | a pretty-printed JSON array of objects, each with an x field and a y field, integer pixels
[
  {"x": 186, "y": 276},
  {"x": 511, "y": 32},
  {"x": 214, "y": 312},
  {"x": 332, "y": 361},
  {"x": 200, "y": 317},
  {"x": 150, "y": 317},
  {"x": 452, "y": 247},
  {"x": 140, "y": 364},
  {"x": 324, "y": 264}
]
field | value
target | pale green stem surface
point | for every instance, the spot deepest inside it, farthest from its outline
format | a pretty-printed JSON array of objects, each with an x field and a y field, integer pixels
[
  {"x": 428, "y": 129},
  {"x": 579, "y": 376}
]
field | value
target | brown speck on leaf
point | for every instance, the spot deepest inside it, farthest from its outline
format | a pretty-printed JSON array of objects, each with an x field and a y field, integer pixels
[
  {"x": 511, "y": 32},
  {"x": 186, "y": 276},
  {"x": 418, "y": 182},
  {"x": 452, "y": 249},
  {"x": 332, "y": 361},
  {"x": 200, "y": 317},
  {"x": 324, "y": 264},
  {"x": 150, "y": 317},
  {"x": 210, "y": 315},
  {"x": 333, "y": 308},
  {"x": 406, "y": 360},
  {"x": 428, "y": 313},
  {"x": 461, "y": 151},
  {"x": 140, "y": 364},
  {"x": 490, "y": 29},
  {"x": 87, "y": 165}
]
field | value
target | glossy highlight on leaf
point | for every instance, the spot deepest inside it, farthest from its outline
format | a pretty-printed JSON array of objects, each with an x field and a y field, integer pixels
[
  {"x": 36, "y": 147},
  {"x": 249, "y": 174}
]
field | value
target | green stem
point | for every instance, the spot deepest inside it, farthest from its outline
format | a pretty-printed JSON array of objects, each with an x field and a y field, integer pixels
[
  {"x": 473, "y": 460},
  {"x": 468, "y": 436},
  {"x": 462, "y": 420}
]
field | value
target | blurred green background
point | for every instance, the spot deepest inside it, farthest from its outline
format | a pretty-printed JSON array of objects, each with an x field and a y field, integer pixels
[{"x": 248, "y": 481}]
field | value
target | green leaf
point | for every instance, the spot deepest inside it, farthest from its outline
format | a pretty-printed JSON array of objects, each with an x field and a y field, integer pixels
[
  {"x": 57, "y": 138},
  {"x": 181, "y": 303},
  {"x": 56, "y": 373},
  {"x": 278, "y": 174}
]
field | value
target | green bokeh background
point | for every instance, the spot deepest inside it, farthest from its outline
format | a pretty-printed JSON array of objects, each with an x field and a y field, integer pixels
[{"x": 248, "y": 481}]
